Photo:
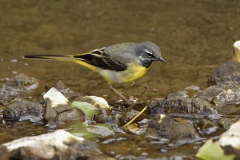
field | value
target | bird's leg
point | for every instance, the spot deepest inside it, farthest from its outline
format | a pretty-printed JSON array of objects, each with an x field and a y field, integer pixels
[
  {"x": 118, "y": 93},
  {"x": 147, "y": 88}
]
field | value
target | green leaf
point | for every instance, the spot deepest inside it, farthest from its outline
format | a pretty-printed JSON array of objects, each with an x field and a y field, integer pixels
[
  {"x": 101, "y": 130},
  {"x": 213, "y": 151},
  {"x": 90, "y": 132},
  {"x": 88, "y": 109}
]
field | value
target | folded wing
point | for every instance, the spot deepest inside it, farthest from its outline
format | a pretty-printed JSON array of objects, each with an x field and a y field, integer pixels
[{"x": 101, "y": 59}]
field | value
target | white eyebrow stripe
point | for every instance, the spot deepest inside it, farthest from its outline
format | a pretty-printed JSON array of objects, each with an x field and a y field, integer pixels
[{"x": 148, "y": 51}]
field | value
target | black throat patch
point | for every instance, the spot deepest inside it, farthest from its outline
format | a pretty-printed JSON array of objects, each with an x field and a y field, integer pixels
[{"x": 146, "y": 62}]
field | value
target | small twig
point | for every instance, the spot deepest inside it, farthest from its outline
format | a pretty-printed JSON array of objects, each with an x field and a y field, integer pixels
[{"x": 136, "y": 116}]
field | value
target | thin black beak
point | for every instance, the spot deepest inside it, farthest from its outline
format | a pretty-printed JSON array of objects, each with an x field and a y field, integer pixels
[{"x": 162, "y": 60}]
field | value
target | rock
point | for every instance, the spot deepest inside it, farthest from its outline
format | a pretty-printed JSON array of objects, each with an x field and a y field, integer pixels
[
  {"x": 231, "y": 137},
  {"x": 228, "y": 75},
  {"x": 206, "y": 127},
  {"x": 4, "y": 153},
  {"x": 226, "y": 96},
  {"x": 138, "y": 128},
  {"x": 192, "y": 90},
  {"x": 225, "y": 123},
  {"x": 16, "y": 87},
  {"x": 56, "y": 103},
  {"x": 111, "y": 120},
  {"x": 180, "y": 105},
  {"x": 98, "y": 102},
  {"x": 1, "y": 112},
  {"x": 68, "y": 93},
  {"x": 169, "y": 127},
  {"x": 237, "y": 93},
  {"x": 21, "y": 80},
  {"x": 209, "y": 93},
  {"x": 130, "y": 115},
  {"x": 59, "y": 109},
  {"x": 227, "y": 147},
  {"x": 24, "y": 110},
  {"x": 199, "y": 105},
  {"x": 55, "y": 97},
  {"x": 57, "y": 145},
  {"x": 70, "y": 115},
  {"x": 60, "y": 86},
  {"x": 236, "y": 47},
  {"x": 178, "y": 95},
  {"x": 226, "y": 101}
]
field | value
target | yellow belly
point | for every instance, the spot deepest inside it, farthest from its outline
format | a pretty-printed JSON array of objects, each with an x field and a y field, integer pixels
[{"x": 131, "y": 74}]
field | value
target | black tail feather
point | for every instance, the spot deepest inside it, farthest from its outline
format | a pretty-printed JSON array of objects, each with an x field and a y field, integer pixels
[
  {"x": 44, "y": 56},
  {"x": 48, "y": 57}
]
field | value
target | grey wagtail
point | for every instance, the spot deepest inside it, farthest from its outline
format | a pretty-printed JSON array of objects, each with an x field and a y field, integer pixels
[{"x": 119, "y": 63}]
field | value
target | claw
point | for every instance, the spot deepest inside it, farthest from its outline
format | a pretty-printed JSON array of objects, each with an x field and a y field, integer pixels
[{"x": 147, "y": 88}]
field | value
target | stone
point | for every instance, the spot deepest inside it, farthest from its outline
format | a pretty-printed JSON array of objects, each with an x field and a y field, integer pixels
[
  {"x": 56, "y": 145},
  {"x": 231, "y": 137},
  {"x": 55, "y": 97},
  {"x": 23, "y": 110},
  {"x": 71, "y": 115},
  {"x": 169, "y": 127}
]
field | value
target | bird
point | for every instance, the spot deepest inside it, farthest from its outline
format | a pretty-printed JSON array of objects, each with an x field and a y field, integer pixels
[{"x": 118, "y": 63}]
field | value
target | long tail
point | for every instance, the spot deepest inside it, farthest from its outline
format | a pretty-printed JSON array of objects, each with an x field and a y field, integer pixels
[
  {"x": 51, "y": 57},
  {"x": 69, "y": 58}
]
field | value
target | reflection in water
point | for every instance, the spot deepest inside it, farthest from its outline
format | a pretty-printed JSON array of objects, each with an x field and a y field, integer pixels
[{"x": 194, "y": 36}]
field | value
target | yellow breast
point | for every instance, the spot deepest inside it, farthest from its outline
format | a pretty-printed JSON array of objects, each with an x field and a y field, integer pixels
[{"x": 132, "y": 73}]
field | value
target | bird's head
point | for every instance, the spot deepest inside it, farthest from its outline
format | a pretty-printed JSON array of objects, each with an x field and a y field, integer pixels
[{"x": 148, "y": 52}]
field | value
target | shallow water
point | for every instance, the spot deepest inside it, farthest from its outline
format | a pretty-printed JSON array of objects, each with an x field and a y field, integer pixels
[{"x": 195, "y": 37}]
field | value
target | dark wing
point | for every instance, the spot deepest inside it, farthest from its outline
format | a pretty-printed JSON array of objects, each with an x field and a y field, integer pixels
[{"x": 101, "y": 59}]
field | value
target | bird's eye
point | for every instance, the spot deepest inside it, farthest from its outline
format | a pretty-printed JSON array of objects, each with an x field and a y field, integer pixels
[{"x": 148, "y": 52}]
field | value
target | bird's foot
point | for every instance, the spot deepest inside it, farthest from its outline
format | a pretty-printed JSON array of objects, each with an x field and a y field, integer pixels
[{"x": 147, "y": 88}]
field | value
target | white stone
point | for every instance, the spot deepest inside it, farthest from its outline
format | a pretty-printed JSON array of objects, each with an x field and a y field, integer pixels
[
  {"x": 57, "y": 139},
  {"x": 55, "y": 97},
  {"x": 232, "y": 136},
  {"x": 236, "y": 47},
  {"x": 99, "y": 101}
]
